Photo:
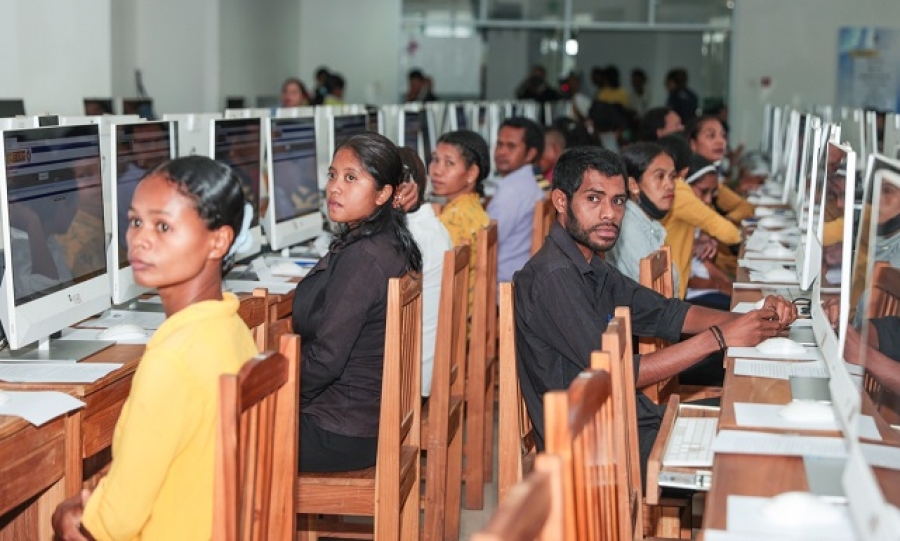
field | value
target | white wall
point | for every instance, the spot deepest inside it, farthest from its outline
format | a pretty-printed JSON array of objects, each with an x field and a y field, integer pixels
[
  {"x": 55, "y": 53},
  {"x": 795, "y": 44},
  {"x": 360, "y": 39}
]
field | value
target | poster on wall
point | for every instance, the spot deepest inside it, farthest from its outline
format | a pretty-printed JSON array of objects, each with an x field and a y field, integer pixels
[{"x": 869, "y": 68}]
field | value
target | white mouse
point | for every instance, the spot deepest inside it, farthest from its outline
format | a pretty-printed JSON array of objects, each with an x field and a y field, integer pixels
[
  {"x": 780, "y": 345},
  {"x": 800, "y": 510},
  {"x": 780, "y": 274},
  {"x": 773, "y": 222},
  {"x": 775, "y": 249},
  {"x": 286, "y": 268},
  {"x": 126, "y": 331},
  {"x": 807, "y": 411}
]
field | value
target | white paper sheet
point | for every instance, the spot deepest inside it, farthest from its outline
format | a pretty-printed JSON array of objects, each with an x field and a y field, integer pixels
[
  {"x": 744, "y": 442},
  {"x": 38, "y": 407},
  {"x": 779, "y": 369},
  {"x": 881, "y": 456},
  {"x": 144, "y": 320},
  {"x": 92, "y": 334},
  {"x": 767, "y": 416},
  {"x": 761, "y": 265},
  {"x": 724, "y": 535},
  {"x": 743, "y": 307},
  {"x": 55, "y": 372},
  {"x": 756, "y": 276},
  {"x": 746, "y": 514},
  {"x": 247, "y": 286},
  {"x": 812, "y": 354},
  {"x": 756, "y": 254}
]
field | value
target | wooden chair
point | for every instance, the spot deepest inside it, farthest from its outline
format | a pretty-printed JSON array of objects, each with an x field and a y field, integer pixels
[
  {"x": 442, "y": 414},
  {"x": 388, "y": 491},
  {"x": 533, "y": 509},
  {"x": 478, "y": 449},
  {"x": 656, "y": 274},
  {"x": 544, "y": 214},
  {"x": 668, "y": 517},
  {"x": 580, "y": 429},
  {"x": 256, "y": 447},
  {"x": 884, "y": 299},
  {"x": 516, "y": 443},
  {"x": 254, "y": 310}
]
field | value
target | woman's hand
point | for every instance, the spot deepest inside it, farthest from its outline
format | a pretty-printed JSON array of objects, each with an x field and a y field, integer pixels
[
  {"x": 67, "y": 518},
  {"x": 407, "y": 196}
]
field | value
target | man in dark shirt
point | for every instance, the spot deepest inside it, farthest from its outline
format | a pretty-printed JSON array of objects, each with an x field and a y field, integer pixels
[
  {"x": 566, "y": 294},
  {"x": 681, "y": 99}
]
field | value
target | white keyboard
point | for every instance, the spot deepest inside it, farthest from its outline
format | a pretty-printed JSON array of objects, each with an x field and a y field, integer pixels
[{"x": 690, "y": 443}]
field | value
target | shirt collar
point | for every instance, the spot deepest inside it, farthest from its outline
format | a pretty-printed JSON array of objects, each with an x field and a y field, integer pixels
[
  {"x": 424, "y": 212},
  {"x": 527, "y": 169},
  {"x": 566, "y": 243},
  {"x": 203, "y": 310}
]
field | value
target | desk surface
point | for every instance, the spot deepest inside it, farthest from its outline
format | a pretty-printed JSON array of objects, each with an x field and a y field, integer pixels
[{"x": 127, "y": 354}]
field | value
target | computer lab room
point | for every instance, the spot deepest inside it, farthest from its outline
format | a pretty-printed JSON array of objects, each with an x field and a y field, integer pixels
[{"x": 440, "y": 270}]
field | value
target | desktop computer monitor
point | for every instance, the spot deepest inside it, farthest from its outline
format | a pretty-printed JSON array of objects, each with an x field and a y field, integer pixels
[
  {"x": 891, "y": 139},
  {"x": 809, "y": 253},
  {"x": 54, "y": 235},
  {"x": 134, "y": 149},
  {"x": 293, "y": 213},
  {"x": 456, "y": 117},
  {"x": 11, "y": 108},
  {"x": 99, "y": 106},
  {"x": 248, "y": 113},
  {"x": 143, "y": 107},
  {"x": 411, "y": 130},
  {"x": 292, "y": 112},
  {"x": 238, "y": 143},
  {"x": 235, "y": 102},
  {"x": 374, "y": 120},
  {"x": 193, "y": 132},
  {"x": 776, "y": 141},
  {"x": 343, "y": 127}
]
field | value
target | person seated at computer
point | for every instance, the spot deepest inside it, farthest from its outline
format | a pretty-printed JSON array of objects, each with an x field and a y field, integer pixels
[
  {"x": 183, "y": 223},
  {"x": 520, "y": 142},
  {"x": 691, "y": 210},
  {"x": 566, "y": 295},
  {"x": 433, "y": 240},
  {"x": 459, "y": 164},
  {"x": 554, "y": 145},
  {"x": 708, "y": 139},
  {"x": 651, "y": 189},
  {"x": 335, "y": 85},
  {"x": 419, "y": 89},
  {"x": 659, "y": 122},
  {"x": 293, "y": 93},
  {"x": 340, "y": 307}
]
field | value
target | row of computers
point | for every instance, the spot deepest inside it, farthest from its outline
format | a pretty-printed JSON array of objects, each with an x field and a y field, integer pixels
[
  {"x": 142, "y": 107},
  {"x": 826, "y": 225}
]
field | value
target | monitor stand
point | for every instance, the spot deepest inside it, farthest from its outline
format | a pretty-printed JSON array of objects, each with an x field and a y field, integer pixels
[
  {"x": 137, "y": 305},
  {"x": 823, "y": 475},
  {"x": 48, "y": 350}
]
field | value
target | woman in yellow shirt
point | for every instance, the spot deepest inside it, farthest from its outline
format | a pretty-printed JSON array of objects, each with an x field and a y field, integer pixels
[
  {"x": 709, "y": 139},
  {"x": 460, "y": 163},
  {"x": 182, "y": 225}
]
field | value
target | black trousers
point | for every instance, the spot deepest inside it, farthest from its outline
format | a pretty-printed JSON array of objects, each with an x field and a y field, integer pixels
[{"x": 324, "y": 451}]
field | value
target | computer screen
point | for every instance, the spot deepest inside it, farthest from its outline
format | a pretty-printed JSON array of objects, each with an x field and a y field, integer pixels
[
  {"x": 293, "y": 210},
  {"x": 143, "y": 107},
  {"x": 11, "y": 108},
  {"x": 458, "y": 113},
  {"x": 235, "y": 102},
  {"x": 136, "y": 148},
  {"x": 344, "y": 127},
  {"x": 428, "y": 135},
  {"x": 54, "y": 231},
  {"x": 238, "y": 143},
  {"x": 99, "y": 106},
  {"x": 411, "y": 130},
  {"x": 373, "y": 119}
]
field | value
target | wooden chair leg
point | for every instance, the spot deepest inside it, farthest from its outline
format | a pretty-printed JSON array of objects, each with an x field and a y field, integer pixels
[
  {"x": 488, "y": 452},
  {"x": 408, "y": 519},
  {"x": 307, "y": 527},
  {"x": 454, "y": 489},
  {"x": 473, "y": 451},
  {"x": 435, "y": 491}
]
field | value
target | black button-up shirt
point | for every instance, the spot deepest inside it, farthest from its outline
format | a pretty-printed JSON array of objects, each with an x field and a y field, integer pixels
[
  {"x": 340, "y": 309},
  {"x": 563, "y": 304}
]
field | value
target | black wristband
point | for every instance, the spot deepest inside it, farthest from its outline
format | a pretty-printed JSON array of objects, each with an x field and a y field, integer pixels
[{"x": 719, "y": 336}]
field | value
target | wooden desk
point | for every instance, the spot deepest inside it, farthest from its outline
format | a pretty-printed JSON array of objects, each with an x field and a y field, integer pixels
[
  {"x": 32, "y": 470},
  {"x": 89, "y": 431}
]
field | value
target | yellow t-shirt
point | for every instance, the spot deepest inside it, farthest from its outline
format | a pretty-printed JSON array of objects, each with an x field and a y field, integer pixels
[
  {"x": 464, "y": 217},
  {"x": 687, "y": 214},
  {"x": 617, "y": 96},
  {"x": 160, "y": 484},
  {"x": 735, "y": 207}
]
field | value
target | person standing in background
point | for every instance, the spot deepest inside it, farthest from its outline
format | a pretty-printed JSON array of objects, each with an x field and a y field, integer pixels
[
  {"x": 681, "y": 99},
  {"x": 639, "y": 99}
]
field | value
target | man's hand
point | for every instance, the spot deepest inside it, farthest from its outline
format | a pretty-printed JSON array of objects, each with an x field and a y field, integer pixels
[
  {"x": 67, "y": 518},
  {"x": 751, "y": 328},
  {"x": 832, "y": 308},
  {"x": 785, "y": 310}
]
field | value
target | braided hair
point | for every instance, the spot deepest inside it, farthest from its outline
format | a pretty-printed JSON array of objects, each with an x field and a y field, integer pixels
[{"x": 474, "y": 150}]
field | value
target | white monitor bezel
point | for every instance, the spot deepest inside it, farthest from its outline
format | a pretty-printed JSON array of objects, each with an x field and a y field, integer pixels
[
  {"x": 298, "y": 229},
  {"x": 122, "y": 286},
  {"x": 37, "y": 319},
  {"x": 193, "y": 132},
  {"x": 809, "y": 253}
]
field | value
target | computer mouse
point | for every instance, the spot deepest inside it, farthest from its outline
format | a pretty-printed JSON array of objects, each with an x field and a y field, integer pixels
[
  {"x": 287, "y": 268},
  {"x": 780, "y": 345},
  {"x": 800, "y": 510},
  {"x": 777, "y": 250},
  {"x": 807, "y": 411},
  {"x": 125, "y": 331},
  {"x": 780, "y": 275},
  {"x": 773, "y": 222}
]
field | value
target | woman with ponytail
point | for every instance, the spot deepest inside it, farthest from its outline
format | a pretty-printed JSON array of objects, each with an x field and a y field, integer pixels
[{"x": 340, "y": 307}]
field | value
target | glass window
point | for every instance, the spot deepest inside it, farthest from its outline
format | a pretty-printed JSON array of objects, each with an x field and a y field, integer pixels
[
  {"x": 694, "y": 11},
  {"x": 602, "y": 11},
  {"x": 525, "y": 10}
]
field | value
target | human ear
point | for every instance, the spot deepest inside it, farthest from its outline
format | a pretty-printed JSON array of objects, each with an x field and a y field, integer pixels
[
  {"x": 633, "y": 187},
  {"x": 530, "y": 155},
  {"x": 559, "y": 200},
  {"x": 384, "y": 194},
  {"x": 221, "y": 240}
]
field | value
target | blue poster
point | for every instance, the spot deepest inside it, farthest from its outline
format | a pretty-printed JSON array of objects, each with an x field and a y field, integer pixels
[{"x": 869, "y": 68}]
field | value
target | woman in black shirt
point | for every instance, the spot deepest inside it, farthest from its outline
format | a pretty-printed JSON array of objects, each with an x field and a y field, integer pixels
[{"x": 340, "y": 307}]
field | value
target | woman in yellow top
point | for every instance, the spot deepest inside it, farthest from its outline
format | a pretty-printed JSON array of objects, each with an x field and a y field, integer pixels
[
  {"x": 182, "y": 225},
  {"x": 459, "y": 164},
  {"x": 709, "y": 139},
  {"x": 691, "y": 210}
]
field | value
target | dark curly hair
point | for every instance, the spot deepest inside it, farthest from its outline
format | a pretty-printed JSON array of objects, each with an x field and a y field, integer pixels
[{"x": 474, "y": 151}]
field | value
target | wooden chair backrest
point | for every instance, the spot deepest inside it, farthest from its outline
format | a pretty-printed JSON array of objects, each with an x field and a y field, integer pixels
[
  {"x": 399, "y": 431},
  {"x": 656, "y": 274},
  {"x": 516, "y": 443},
  {"x": 484, "y": 309},
  {"x": 617, "y": 357},
  {"x": 885, "y": 297},
  {"x": 256, "y": 447},
  {"x": 533, "y": 509},
  {"x": 544, "y": 214},
  {"x": 579, "y": 429},
  {"x": 448, "y": 377},
  {"x": 254, "y": 310}
]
